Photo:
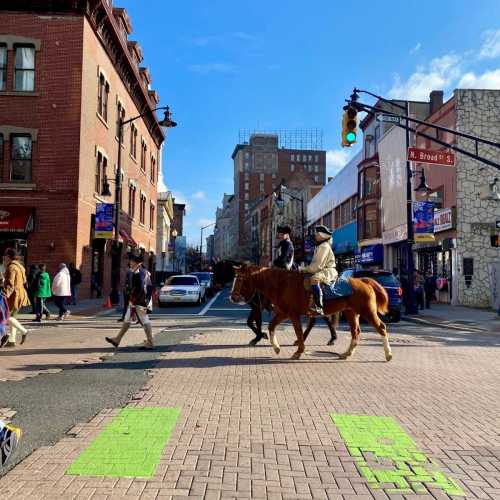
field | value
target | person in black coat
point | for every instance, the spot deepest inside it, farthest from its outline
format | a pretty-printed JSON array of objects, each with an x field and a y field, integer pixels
[
  {"x": 284, "y": 260},
  {"x": 430, "y": 287}
]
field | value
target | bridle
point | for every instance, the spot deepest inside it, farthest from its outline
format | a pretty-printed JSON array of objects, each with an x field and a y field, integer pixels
[{"x": 237, "y": 290}]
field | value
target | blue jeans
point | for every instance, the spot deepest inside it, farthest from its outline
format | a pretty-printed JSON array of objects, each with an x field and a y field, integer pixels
[{"x": 74, "y": 295}]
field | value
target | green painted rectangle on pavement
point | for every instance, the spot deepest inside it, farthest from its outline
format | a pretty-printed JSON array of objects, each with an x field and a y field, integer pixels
[
  {"x": 387, "y": 455},
  {"x": 129, "y": 446}
]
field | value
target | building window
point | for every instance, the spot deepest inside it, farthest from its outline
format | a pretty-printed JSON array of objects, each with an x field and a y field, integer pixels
[
  {"x": 247, "y": 196},
  {"x": 102, "y": 97},
  {"x": 247, "y": 185},
  {"x": 316, "y": 179},
  {"x": 261, "y": 177},
  {"x": 247, "y": 154},
  {"x": 3, "y": 67},
  {"x": 316, "y": 168},
  {"x": 246, "y": 206},
  {"x": 24, "y": 70},
  {"x": 21, "y": 153},
  {"x": 247, "y": 176},
  {"x": 292, "y": 167},
  {"x": 142, "y": 209},
  {"x": 292, "y": 157},
  {"x": 99, "y": 174},
  {"x": 120, "y": 116},
  {"x": 274, "y": 176},
  {"x": 133, "y": 141},
  {"x": 153, "y": 169},
  {"x": 144, "y": 150},
  {"x": 310, "y": 158},
  {"x": 131, "y": 200},
  {"x": 261, "y": 187},
  {"x": 316, "y": 158},
  {"x": 151, "y": 217}
]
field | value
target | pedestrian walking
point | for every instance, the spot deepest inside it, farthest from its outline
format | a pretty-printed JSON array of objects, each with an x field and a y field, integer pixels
[
  {"x": 127, "y": 288},
  {"x": 42, "y": 293},
  {"x": 418, "y": 286},
  {"x": 61, "y": 290},
  {"x": 32, "y": 284},
  {"x": 76, "y": 279},
  {"x": 14, "y": 290},
  {"x": 140, "y": 300}
]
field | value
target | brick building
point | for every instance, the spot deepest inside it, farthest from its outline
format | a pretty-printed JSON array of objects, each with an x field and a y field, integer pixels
[
  {"x": 260, "y": 165},
  {"x": 66, "y": 74}
]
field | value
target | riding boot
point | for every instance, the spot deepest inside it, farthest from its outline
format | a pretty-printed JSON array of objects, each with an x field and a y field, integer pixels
[{"x": 317, "y": 307}]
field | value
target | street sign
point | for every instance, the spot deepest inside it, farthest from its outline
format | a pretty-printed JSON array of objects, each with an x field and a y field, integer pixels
[
  {"x": 431, "y": 156},
  {"x": 388, "y": 118},
  {"x": 497, "y": 224}
]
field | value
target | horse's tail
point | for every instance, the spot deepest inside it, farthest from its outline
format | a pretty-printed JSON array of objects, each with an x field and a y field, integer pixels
[{"x": 380, "y": 294}]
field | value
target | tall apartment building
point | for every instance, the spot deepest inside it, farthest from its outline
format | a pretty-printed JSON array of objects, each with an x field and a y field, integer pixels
[
  {"x": 260, "y": 165},
  {"x": 68, "y": 71}
]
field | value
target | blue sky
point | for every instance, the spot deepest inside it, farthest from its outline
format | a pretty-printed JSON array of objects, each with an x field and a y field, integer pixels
[{"x": 224, "y": 65}]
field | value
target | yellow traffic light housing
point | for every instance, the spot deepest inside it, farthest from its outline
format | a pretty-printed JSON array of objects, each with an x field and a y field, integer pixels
[{"x": 349, "y": 127}]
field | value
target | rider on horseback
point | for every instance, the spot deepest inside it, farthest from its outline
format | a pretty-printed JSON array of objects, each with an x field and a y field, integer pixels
[
  {"x": 322, "y": 267},
  {"x": 284, "y": 259}
]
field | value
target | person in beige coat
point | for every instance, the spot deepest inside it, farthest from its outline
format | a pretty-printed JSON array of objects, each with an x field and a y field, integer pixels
[
  {"x": 15, "y": 292},
  {"x": 322, "y": 267}
]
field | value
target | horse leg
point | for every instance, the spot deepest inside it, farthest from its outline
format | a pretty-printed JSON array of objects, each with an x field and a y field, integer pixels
[
  {"x": 332, "y": 322},
  {"x": 372, "y": 317},
  {"x": 297, "y": 326},
  {"x": 278, "y": 318},
  {"x": 307, "y": 331},
  {"x": 353, "y": 320}
]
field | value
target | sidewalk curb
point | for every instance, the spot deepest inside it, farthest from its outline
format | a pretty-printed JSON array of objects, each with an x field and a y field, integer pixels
[{"x": 421, "y": 321}]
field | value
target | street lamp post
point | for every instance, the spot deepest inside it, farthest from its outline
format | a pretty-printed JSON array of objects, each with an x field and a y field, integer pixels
[
  {"x": 201, "y": 243},
  {"x": 167, "y": 122},
  {"x": 174, "y": 236}
]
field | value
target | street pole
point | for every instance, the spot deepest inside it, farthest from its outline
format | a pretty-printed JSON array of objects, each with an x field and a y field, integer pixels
[
  {"x": 201, "y": 248},
  {"x": 410, "y": 307},
  {"x": 116, "y": 259},
  {"x": 303, "y": 229}
]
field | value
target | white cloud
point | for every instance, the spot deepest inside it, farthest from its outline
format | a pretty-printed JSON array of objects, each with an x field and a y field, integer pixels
[
  {"x": 204, "y": 69},
  {"x": 415, "y": 49},
  {"x": 336, "y": 159},
  {"x": 440, "y": 73},
  {"x": 491, "y": 46},
  {"x": 199, "y": 195},
  {"x": 162, "y": 187},
  {"x": 488, "y": 80}
]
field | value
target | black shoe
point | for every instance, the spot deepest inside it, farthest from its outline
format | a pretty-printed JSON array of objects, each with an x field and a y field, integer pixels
[
  {"x": 4, "y": 340},
  {"x": 111, "y": 341},
  {"x": 120, "y": 320}
]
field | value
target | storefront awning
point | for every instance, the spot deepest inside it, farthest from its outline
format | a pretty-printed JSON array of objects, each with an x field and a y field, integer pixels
[
  {"x": 16, "y": 220},
  {"x": 126, "y": 238}
]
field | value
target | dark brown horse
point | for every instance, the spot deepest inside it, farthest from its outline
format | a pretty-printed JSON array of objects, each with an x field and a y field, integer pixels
[{"x": 285, "y": 289}]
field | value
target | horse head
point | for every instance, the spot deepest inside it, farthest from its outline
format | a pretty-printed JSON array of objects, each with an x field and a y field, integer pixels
[{"x": 243, "y": 288}]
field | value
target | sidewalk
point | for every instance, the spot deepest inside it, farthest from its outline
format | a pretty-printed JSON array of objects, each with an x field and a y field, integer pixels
[
  {"x": 457, "y": 317},
  {"x": 258, "y": 426}
]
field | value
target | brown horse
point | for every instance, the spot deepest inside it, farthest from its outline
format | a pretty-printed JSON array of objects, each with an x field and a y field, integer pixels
[{"x": 285, "y": 289}]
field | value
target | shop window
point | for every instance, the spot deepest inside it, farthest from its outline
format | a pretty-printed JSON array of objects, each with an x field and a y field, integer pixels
[
  {"x": 3, "y": 67},
  {"x": 102, "y": 97},
  {"x": 21, "y": 154},
  {"x": 24, "y": 69}
]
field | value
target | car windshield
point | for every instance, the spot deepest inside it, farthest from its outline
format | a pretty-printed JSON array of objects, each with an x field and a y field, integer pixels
[
  {"x": 385, "y": 279},
  {"x": 182, "y": 280},
  {"x": 202, "y": 276}
]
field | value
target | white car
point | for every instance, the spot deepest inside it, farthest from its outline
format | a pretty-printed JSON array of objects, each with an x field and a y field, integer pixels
[{"x": 181, "y": 289}]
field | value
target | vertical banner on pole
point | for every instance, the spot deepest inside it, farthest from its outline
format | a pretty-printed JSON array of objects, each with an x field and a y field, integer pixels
[{"x": 423, "y": 221}]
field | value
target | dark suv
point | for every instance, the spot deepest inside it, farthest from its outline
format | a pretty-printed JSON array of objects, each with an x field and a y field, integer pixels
[{"x": 389, "y": 282}]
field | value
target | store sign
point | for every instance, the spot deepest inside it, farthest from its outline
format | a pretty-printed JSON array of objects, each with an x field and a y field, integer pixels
[
  {"x": 104, "y": 221},
  {"x": 370, "y": 254},
  {"x": 431, "y": 156},
  {"x": 423, "y": 221},
  {"x": 443, "y": 220},
  {"x": 16, "y": 220}
]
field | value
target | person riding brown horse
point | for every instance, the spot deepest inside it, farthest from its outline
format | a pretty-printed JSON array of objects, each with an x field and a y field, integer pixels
[{"x": 285, "y": 289}]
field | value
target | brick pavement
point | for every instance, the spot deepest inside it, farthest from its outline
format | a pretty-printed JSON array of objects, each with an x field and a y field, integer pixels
[{"x": 254, "y": 425}]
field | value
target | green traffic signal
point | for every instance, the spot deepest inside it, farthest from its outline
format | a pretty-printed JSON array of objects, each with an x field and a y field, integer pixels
[{"x": 350, "y": 137}]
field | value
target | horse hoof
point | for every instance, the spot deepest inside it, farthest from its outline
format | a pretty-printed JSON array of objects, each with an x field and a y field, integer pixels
[
  {"x": 296, "y": 355},
  {"x": 343, "y": 356},
  {"x": 277, "y": 350},
  {"x": 388, "y": 357}
]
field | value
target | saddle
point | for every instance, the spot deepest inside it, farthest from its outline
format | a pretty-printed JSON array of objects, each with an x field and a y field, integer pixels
[{"x": 339, "y": 289}]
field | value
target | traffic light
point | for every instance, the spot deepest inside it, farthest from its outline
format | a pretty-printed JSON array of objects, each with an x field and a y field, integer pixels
[
  {"x": 495, "y": 240},
  {"x": 349, "y": 126}
]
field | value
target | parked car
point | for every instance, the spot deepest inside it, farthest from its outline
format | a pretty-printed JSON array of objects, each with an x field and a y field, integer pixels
[
  {"x": 206, "y": 280},
  {"x": 181, "y": 289},
  {"x": 389, "y": 282}
]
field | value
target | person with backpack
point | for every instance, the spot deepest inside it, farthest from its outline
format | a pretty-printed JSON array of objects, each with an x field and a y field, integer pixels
[
  {"x": 140, "y": 302},
  {"x": 42, "y": 293}
]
